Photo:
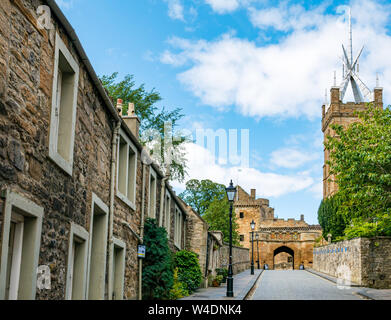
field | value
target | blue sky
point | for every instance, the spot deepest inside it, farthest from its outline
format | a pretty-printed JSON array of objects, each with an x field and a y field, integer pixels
[{"x": 242, "y": 64}]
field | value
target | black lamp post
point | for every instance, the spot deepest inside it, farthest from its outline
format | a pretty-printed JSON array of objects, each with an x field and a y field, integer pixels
[
  {"x": 231, "y": 191},
  {"x": 257, "y": 237},
  {"x": 252, "y": 224}
]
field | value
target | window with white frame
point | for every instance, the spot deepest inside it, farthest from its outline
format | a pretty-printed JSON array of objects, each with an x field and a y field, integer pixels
[
  {"x": 126, "y": 170},
  {"x": 64, "y": 105},
  {"x": 118, "y": 276},
  {"x": 20, "y": 245},
  {"x": 77, "y": 263},
  {"x": 97, "y": 249},
  {"x": 152, "y": 194},
  {"x": 178, "y": 228},
  {"x": 167, "y": 213}
]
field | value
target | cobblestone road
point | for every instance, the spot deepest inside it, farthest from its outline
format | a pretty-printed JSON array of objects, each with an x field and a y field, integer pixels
[{"x": 299, "y": 285}]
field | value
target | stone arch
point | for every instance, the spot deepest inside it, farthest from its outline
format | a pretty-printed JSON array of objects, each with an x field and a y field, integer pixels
[{"x": 285, "y": 249}]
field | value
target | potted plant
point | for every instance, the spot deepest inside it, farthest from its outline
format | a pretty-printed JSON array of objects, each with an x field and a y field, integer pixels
[{"x": 217, "y": 281}]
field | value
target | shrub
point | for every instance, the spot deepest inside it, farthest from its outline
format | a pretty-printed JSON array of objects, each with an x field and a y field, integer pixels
[
  {"x": 189, "y": 271},
  {"x": 157, "y": 270},
  {"x": 178, "y": 290}
]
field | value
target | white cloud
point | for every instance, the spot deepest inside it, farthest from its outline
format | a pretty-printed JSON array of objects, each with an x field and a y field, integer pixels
[
  {"x": 291, "y": 158},
  {"x": 202, "y": 165},
  {"x": 286, "y": 79},
  {"x": 175, "y": 9},
  {"x": 65, "y": 4},
  {"x": 223, "y": 6}
]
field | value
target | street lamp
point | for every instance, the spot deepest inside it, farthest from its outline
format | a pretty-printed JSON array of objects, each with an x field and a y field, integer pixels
[
  {"x": 252, "y": 224},
  {"x": 257, "y": 237},
  {"x": 231, "y": 191}
]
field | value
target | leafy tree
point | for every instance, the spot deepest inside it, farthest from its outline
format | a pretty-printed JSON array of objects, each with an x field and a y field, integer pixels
[
  {"x": 200, "y": 194},
  {"x": 157, "y": 268},
  {"x": 217, "y": 216},
  {"x": 153, "y": 120},
  {"x": 189, "y": 270},
  {"x": 360, "y": 159},
  {"x": 330, "y": 220}
]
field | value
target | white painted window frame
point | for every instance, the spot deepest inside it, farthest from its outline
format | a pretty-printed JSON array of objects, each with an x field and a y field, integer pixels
[
  {"x": 167, "y": 213},
  {"x": 152, "y": 205},
  {"x": 96, "y": 201},
  {"x": 178, "y": 228},
  {"x": 119, "y": 194},
  {"x": 64, "y": 164},
  {"x": 80, "y": 232},
  {"x": 118, "y": 285},
  {"x": 28, "y": 273}
]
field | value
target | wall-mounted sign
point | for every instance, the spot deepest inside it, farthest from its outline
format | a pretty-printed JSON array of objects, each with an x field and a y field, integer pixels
[{"x": 141, "y": 251}]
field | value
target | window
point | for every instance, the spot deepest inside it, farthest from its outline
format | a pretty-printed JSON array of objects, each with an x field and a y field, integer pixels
[
  {"x": 119, "y": 250},
  {"x": 126, "y": 170},
  {"x": 64, "y": 103},
  {"x": 20, "y": 244},
  {"x": 77, "y": 263},
  {"x": 167, "y": 213},
  {"x": 178, "y": 228},
  {"x": 97, "y": 249},
  {"x": 241, "y": 237},
  {"x": 152, "y": 194},
  {"x": 241, "y": 215}
]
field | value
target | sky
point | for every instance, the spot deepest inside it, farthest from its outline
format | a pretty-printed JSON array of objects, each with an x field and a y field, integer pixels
[{"x": 257, "y": 65}]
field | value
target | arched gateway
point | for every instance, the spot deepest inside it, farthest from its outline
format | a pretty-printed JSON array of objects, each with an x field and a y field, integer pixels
[{"x": 281, "y": 243}]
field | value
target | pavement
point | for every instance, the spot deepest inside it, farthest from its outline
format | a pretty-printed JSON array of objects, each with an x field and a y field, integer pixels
[{"x": 243, "y": 283}]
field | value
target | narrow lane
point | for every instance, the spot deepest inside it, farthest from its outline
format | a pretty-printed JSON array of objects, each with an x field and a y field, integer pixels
[{"x": 299, "y": 285}]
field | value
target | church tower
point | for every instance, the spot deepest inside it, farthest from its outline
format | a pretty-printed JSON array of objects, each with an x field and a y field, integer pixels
[{"x": 338, "y": 112}]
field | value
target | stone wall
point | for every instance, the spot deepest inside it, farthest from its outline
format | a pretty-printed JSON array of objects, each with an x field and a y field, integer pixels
[
  {"x": 366, "y": 262},
  {"x": 240, "y": 258}
]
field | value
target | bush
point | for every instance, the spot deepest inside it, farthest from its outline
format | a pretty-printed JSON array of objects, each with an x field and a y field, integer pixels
[
  {"x": 178, "y": 290},
  {"x": 189, "y": 271},
  {"x": 157, "y": 270}
]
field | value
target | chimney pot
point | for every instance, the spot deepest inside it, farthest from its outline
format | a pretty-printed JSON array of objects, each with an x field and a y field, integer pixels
[
  {"x": 119, "y": 106},
  {"x": 253, "y": 193}
]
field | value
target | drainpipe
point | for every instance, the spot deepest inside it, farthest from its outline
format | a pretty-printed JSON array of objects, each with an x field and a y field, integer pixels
[
  {"x": 112, "y": 192},
  {"x": 140, "y": 261}
]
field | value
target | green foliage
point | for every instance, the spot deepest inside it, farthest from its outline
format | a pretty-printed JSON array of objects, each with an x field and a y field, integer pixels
[
  {"x": 189, "y": 271},
  {"x": 199, "y": 194},
  {"x": 152, "y": 119},
  {"x": 330, "y": 220},
  {"x": 217, "y": 216},
  {"x": 222, "y": 272},
  {"x": 178, "y": 290},
  {"x": 360, "y": 159},
  {"x": 157, "y": 267}
]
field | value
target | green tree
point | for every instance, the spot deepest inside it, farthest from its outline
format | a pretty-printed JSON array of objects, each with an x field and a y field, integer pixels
[
  {"x": 199, "y": 194},
  {"x": 217, "y": 216},
  {"x": 360, "y": 159},
  {"x": 189, "y": 270},
  {"x": 158, "y": 277},
  {"x": 330, "y": 220},
  {"x": 153, "y": 119}
]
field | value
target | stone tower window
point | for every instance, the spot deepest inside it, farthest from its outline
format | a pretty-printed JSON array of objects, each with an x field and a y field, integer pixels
[
  {"x": 241, "y": 215},
  {"x": 241, "y": 237},
  {"x": 64, "y": 104},
  {"x": 126, "y": 171}
]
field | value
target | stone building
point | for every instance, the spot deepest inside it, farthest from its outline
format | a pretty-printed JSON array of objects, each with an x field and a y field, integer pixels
[
  {"x": 281, "y": 243},
  {"x": 75, "y": 184},
  {"x": 338, "y": 112}
]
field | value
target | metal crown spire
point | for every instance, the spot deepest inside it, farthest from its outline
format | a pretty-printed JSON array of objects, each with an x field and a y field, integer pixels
[{"x": 350, "y": 67}]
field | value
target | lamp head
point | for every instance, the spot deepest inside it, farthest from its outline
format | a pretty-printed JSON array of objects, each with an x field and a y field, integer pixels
[
  {"x": 231, "y": 191},
  {"x": 252, "y": 224}
]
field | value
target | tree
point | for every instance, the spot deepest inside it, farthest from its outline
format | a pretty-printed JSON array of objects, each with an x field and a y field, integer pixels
[
  {"x": 154, "y": 123},
  {"x": 200, "y": 194},
  {"x": 217, "y": 216},
  {"x": 360, "y": 159},
  {"x": 158, "y": 276},
  {"x": 330, "y": 220}
]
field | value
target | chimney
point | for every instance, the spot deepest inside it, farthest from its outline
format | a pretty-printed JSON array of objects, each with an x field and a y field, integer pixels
[
  {"x": 253, "y": 194},
  {"x": 132, "y": 121},
  {"x": 378, "y": 97},
  {"x": 119, "y": 106},
  {"x": 302, "y": 217}
]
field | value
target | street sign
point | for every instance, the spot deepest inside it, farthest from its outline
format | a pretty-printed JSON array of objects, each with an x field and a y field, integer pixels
[{"x": 141, "y": 251}]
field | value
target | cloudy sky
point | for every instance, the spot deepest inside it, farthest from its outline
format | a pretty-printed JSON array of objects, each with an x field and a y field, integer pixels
[{"x": 259, "y": 65}]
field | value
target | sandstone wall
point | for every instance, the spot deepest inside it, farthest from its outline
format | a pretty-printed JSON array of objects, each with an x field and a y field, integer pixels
[
  {"x": 240, "y": 258},
  {"x": 366, "y": 261}
]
